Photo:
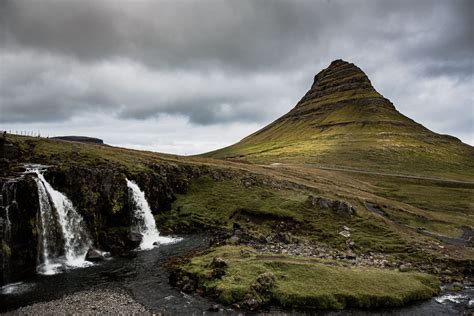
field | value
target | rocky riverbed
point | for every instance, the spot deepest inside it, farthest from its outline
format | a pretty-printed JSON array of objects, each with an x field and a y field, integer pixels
[{"x": 97, "y": 301}]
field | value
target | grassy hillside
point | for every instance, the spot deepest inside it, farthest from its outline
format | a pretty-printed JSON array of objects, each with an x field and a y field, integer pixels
[
  {"x": 226, "y": 189},
  {"x": 414, "y": 223},
  {"x": 344, "y": 122}
]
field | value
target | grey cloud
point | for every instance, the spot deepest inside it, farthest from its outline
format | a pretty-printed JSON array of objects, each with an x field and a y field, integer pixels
[
  {"x": 139, "y": 59},
  {"x": 169, "y": 33}
]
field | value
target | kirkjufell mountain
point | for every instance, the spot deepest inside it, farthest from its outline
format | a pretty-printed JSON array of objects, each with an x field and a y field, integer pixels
[{"x": 342, "y": 121}]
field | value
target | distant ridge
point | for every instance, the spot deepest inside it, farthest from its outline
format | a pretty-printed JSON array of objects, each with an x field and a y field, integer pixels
[
  {"x": 81, "y": 139},
  {"x": 343, "y": 121}
]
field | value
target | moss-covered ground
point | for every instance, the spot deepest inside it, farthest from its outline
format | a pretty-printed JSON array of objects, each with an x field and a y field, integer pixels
[{"x": 304, "y": 283}]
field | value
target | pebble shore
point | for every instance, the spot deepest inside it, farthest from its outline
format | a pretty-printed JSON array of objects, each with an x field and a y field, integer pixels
[{"x": 91, "y": 302}]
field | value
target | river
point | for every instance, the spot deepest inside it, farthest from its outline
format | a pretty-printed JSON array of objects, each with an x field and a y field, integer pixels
[{"x": 146, "y": 279}]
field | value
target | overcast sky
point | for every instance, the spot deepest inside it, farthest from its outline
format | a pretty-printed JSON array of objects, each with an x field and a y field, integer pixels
[{"x": 192, "y": 76}]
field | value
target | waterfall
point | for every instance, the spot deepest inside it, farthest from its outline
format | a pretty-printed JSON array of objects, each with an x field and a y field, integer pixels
[
  {"x": 7, "y": 205},
  {"x": 8, "y": 199},
  {"x": 144, "y": 221},
  {"x": 64, "y": 248}
]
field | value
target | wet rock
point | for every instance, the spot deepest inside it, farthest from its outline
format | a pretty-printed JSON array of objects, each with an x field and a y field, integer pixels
[
  {"x": 214, "y": 308},
  {"x": 128, "y": 254},
  {"x": 251, "y": 303},
  {"x": 136, "y": 237},
  {"x": 95, "y": 255},
  {"x": 187, "y": 285},
  {"x": 457, "y": 286}
]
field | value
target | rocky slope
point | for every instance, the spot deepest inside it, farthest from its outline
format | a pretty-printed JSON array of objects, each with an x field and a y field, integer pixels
[{"x": 343, "y": 121}]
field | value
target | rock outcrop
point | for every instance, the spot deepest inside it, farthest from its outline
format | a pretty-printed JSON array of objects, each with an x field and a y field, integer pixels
[{"x": 338, "y": 206}]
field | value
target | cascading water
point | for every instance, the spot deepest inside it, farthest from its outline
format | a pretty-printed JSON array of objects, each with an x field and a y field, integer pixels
[
  {"x": 69, "y": 246},
  {"x": 7, "y": 205},
  {"x": 8, "y": 199},
  {"x": 144, "y": 220}
]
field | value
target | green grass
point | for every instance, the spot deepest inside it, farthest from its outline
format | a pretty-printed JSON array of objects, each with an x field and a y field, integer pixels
[
  {"x": 368, "y": 137},
  {"x": 211, "y": 203},
  {"x": 215, "y": 202},
  {"x": 440, "y": 207},
  {"x": 260, "y": 209},
  {"x": 51, "y": 151},
  {"x": 309, "y": 283}
]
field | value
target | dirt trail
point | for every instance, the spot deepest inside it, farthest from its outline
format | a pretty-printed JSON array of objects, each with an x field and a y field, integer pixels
[
  {"x": 463, "y": 240},
  {"x": 377, "y": 173}
]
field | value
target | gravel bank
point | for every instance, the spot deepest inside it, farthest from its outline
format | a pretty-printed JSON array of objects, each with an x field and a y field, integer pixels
[{"x": 97, "y": 301}]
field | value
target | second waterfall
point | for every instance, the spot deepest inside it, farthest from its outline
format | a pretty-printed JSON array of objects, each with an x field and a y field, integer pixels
[{"x": 144, "y": 221}]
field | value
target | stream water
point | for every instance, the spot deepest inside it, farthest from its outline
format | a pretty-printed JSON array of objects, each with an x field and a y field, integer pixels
[{"x": 145, "y": 278}]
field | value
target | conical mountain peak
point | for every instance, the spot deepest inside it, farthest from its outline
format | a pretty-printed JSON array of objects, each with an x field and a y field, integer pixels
[
  {"x": 340, "y": 78},
  {"x": 343, "y": 121}
]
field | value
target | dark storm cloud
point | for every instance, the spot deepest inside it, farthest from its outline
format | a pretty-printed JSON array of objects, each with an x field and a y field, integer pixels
[
  {"x": 216, "y": 61},
  {"x": 243, "y": 34}
]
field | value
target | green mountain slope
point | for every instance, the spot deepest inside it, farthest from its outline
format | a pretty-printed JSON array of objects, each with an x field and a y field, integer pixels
[{"x": 342, "y": 121}]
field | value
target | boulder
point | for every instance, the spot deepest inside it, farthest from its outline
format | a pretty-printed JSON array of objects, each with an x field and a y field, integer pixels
[
  {"x": 218, "y": 263},
  {"x": 343, "y": 208},
  {"x": 251, "y": 303},
  {"x": 218, "y": 266},
  {"x": 264, "y": 283},
  {"x": 95, "y": 255},
  {"x": 404, "y": 267},
  {"x": 340, "y": 207},
  {"x": 214, "y": 308},
  {"x": 345, "y": 233},
  {"x": 320, "y": 202}
]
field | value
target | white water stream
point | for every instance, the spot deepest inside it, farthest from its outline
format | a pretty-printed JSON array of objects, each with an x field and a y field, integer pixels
[
  {"x": 70, "y": 249},
  {"x": 144, "y": 220}
]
